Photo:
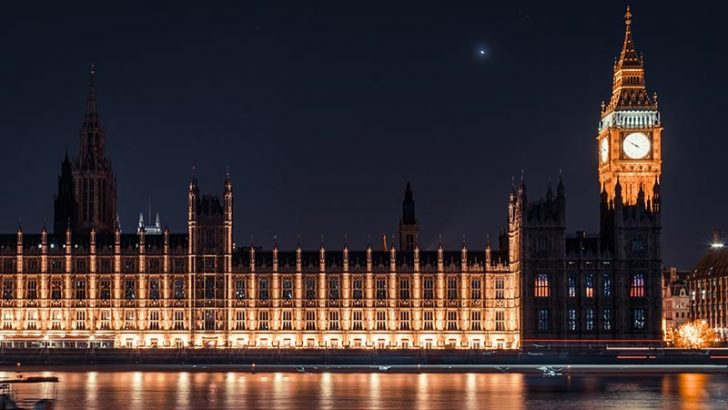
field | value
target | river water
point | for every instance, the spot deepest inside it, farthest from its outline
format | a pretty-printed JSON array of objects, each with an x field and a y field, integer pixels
[{"x": 157, "y": 390}]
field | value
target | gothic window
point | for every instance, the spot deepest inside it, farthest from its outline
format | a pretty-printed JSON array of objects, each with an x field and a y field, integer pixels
[
  {"x": 179, "y": 320},
  {"x": 638, "y": 246},
  {"x": 541, "y": 245},
  {"x": 542, "y": 285},
  {"x": 80, "y": 320},
  {"x": 263, "y": 320},
  {"x": 154, "y": 320},
  {"x": 589, "y": 285},
  {"x": 179, "y": 289},
  {"x": 589, "y": 324},
  {"x": 475, "y": 318},
  {"x": 105, "y": 320},
  {"x": 404, "y": 320},
  {"x": 333, "y": 320},
  {"x": 32, "y": 290},
  {"x": 639, "y": 318},
  {"x": 8, "y": 288},
  {"x": 240, "y": 319},
  {"x": 381, "y": 320},
  {"x": 56, "y": 289},
  {"x": 542, "y": 320},
  {"x": 607, "y": 319},
  {"x": 286, "y": 323},
  {"x": 80, "y": 286},
  {"x": 572, "y": 285},
  {"x": 475, "y": 289},
  {"x": 129, "y": 320},
  {"x": 381, "y": 288},
  {"x": 209, "y": 319},
  {"x": 452, "y": 320},
  {"x": 287, "y": 289},
  {"x": 429, "y": 288},
  {"x": 452, "y": 288},
  {"x": 310, "y": 289},
  {"x": 310, "y": 320},
  {"x": 154, "y": 289},
  {"x": 357, "y": 289},
  {"x": 429, "y": 320},
  {"x": 333, "y": 288},
  {"x": 572, "y": 319},
  {"x": 209, "y": 287},
  {"x": 607, "y": 285},
  {"x": 130, "y": 289},
  {"x": 357, "y": 320},
  {"x": 105, "y": 290},
  {"x": 240, "y": 289},
  {"x": 500, "y": 288},
  {"x": 637, "y": 286},
  {"x": 500, "y": 321},
  {"x": 263, "y": 293},
  {"x": 404, "y": 289}
]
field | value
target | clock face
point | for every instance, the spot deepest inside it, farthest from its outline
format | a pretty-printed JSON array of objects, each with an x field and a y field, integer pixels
[
  {"x": 604, "y": 149},
  {"x": 636, "y": 145}
]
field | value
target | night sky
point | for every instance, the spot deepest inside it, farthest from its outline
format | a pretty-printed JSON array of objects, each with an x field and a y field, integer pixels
[{"x": 323, "y": 111}]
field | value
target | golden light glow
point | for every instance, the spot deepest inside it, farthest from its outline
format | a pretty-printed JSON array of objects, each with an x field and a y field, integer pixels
[{"x": 694, "y": 335}]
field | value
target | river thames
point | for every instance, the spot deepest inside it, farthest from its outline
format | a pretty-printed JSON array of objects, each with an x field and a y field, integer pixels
[{"x": 158, "y": 390}]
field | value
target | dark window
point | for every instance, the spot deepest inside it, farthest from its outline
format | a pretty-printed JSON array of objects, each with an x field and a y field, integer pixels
[
  {"x": 429, "y": 287},
  {"x": 357, "y": 292},
  {"x": 8, "y": 288},
  {"x": 404, "y": 289},
  {"x": 572, "y": 319},
  {"x": 209, "y": 287},
  {"x": 334, "y": 288},
  {"x": 130, "y": 289},
  {"x": 572, "y": 286},
  {"x": 240, "y": 289},
  {"x": 56, "y": 290},
  {"x": 263, "y": 291},
  {"x": 639, "y": 317},
  {"x": 154, "y": 289},
  {"x": 80, "y": 286},
  {"x": 32, "y": 290},
  {"x": 452, "y": 288},
  {"x": 287, "y": 290},
  {"x": 105, "y": 292},
  {"x": 179, "y": 289},
  {"x": 310, "y": 289},
  {"x": 381, "y": 289},
  {"x": 542, "y": 317},
  {"x": 589, "y": 324},
  {"x": 606, "y": 285}
]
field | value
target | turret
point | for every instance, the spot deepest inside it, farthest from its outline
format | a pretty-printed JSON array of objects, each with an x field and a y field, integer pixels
[{"x": 408, "y": 225}]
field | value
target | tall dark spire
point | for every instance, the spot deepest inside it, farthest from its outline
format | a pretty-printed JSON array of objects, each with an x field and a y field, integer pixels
[
  {"x": 92, "y": 135},
  {"x": 408, "y": 226},
  {"x": 408, "y": 207}
]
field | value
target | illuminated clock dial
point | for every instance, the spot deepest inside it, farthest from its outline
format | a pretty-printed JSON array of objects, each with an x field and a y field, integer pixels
[
  {"x": 604, "y": 149},
  {"x": 636, "y": 145}
]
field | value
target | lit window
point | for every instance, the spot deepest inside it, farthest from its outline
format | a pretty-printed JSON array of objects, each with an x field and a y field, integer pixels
[
  {"x": 263, "y": 320},
  {"x": 639, "y": 317},
  {"x": 429, "y": 322},
  {"x": 572, "y": 286},
  {"x": 333, "y": 320},
  {"x": 286, "y": 320},
  {"x": 310, "y": 320},
  {"x": 381, "y": 320},
  {"x": 637, "y": 286},
  {"x": 287, "y": 289},
  {"x": 500, "y": 288},
  {"x": 589, "y": 285},
  {"x": 572, "y": 319},
  {"x": 357, "y": 320},
  {"x": 475, "y": 289},
  {"x": 542, "y": 316},
  {"x": 475, "y": 318},
  {"x": 404, "y": 320},
  {"x": 589, "y": 324},
  {"x": 452, "y": 320},
  {"x": 381, "y": 289},
  {"x": 542, "y": 285},
  {"x": 500, "y": 321},
  {"x": 606, "y": 285}
]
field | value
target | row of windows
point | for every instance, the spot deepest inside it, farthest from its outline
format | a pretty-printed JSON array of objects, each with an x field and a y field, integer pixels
[
  {"x": 207, "y": 288},
  {"x": 211, "y": 322},
  {"x": 542, "y": 286},
  {"x": 543, "y": 319}
]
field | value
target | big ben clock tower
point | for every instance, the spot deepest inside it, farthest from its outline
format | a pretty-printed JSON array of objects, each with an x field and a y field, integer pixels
[{"x": 630, "y": 129}]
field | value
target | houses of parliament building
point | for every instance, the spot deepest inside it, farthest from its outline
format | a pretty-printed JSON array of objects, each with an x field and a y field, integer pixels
[{"x": 87, "y": 283}]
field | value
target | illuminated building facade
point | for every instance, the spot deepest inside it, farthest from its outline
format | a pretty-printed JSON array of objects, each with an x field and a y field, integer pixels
[
  {"x": 708, "y": 287},
  {"x": 606, "y": 287},
  {"x": 87, "y": 282}
]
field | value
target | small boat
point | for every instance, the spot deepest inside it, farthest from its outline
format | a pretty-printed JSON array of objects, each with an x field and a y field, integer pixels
[
  {"x": 548, "y": 371},
  {"x": 9, "y": 399},
  {"x": 384, "y": 368}
]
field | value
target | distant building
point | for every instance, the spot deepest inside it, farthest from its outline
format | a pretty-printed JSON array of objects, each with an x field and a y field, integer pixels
[
  {"x": 675, "y": 299},
  {"x": 150, "y": 229},
  {"x": 708, "y": 285}
]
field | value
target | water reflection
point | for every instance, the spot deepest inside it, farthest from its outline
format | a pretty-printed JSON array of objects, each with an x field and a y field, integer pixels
[{"x": 109, "y": 390}]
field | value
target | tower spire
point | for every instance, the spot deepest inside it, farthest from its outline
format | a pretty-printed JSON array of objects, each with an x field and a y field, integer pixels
[
  {"x": 628, "y": 57},
  {"x": 91, "y": 109}
]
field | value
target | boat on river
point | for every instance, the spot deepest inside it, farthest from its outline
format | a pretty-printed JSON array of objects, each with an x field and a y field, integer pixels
[{"x": 10, "y": 400}]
